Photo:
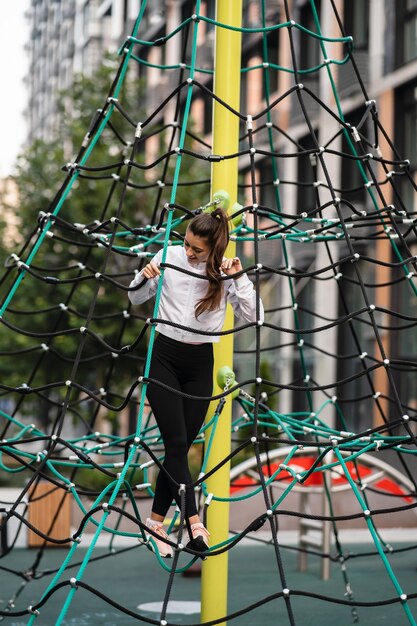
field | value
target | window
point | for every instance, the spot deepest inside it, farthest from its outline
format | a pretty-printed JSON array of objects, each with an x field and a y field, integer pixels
[
  {"x": 186, "y": 35},
  {"x": 86, "y": 19},
  {"x": 306, "y": 193},
  {"x": 356, "y": 18},
  {"x": 303, "y": 357},
  {"x": 406, "y": 139},
  {"x": 404, "y": 301},
  {"x": 354, "y": 338},
  {"x": 310, "y": 52},
  {"x": 406, "y": 31},
  {"x": 270, "y": 74},
  {"x": 353, "y": 182}
]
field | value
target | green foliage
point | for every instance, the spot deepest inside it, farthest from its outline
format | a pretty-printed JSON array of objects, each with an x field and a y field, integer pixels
[
  {"x": 34, "y": 307},
  {"x": 95, "y": 481}
]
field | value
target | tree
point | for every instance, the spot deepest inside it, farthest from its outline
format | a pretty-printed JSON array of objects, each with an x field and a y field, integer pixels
[{"x": 42, "y": 304}]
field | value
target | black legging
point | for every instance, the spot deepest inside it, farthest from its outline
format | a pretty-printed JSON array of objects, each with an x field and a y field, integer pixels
[{"x": 188, "y": 368}]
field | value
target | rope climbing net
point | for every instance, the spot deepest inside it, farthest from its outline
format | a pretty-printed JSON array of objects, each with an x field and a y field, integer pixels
[{"x": 301, "y": 230}]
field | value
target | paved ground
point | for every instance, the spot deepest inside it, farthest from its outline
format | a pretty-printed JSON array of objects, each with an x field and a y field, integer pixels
[{"x": 135, "y": 580}]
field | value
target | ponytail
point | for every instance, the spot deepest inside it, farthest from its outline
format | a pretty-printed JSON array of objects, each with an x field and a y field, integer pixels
[{"x": 214, "y": 227}]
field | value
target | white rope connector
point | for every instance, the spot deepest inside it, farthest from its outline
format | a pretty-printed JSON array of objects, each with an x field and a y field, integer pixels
[
  {"x": 138, "y": 133},
  {"x": 33, "y": 611},
  {"x": 249, "y": 122},
  {"x": 355, "y": 134}
]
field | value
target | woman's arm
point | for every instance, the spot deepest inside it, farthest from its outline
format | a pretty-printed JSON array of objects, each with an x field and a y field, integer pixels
[
  {"x": 241, "y": 294},
  {"x": 152, "y": 273}
]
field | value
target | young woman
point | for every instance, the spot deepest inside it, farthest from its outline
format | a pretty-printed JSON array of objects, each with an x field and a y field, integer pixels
[{"x": 182, "y": 356}]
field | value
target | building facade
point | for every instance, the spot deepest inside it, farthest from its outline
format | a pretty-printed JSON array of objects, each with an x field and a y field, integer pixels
[
  {"x": 68, "y": 37},
  {"x": 385, "y": 55}
]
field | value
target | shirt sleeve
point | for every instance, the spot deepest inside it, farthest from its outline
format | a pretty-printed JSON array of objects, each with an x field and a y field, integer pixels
[
  {"x": 148, "y": 289},
  {"x": 242, "y": 296}
]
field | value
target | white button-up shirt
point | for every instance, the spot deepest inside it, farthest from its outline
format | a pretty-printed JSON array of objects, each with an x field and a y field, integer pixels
[{"x": 180, "y": 293}]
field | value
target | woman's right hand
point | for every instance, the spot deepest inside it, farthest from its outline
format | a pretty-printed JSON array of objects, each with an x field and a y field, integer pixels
[{"x": 151, "y": 270}]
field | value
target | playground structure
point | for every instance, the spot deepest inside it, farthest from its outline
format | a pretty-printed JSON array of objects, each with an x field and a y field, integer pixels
[{"x": 321, "y": 426}]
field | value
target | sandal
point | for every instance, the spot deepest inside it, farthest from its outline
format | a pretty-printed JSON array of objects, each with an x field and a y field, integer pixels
[
  {"x": 164, "y": 549},
  {"x": 199, "y": 540}
]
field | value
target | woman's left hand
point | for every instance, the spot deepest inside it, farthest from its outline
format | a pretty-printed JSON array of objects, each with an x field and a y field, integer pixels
[{"x": 231, "y": 266}]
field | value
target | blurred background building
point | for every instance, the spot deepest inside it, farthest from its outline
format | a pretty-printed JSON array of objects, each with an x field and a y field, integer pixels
[{"x": 72, "y": 36}]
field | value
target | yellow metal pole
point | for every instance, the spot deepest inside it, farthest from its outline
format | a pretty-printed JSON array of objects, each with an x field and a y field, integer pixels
[{"x": 224, "y": 176}]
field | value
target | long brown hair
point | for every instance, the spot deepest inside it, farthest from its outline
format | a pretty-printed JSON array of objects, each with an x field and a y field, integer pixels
[{"x": 214, "y": 228}]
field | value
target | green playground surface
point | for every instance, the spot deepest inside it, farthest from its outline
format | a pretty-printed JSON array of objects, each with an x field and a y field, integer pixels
[{"x": 134, "y": 578}]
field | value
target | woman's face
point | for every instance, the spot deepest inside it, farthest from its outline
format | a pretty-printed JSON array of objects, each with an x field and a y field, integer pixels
[{"x": 196, "y": 248}]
